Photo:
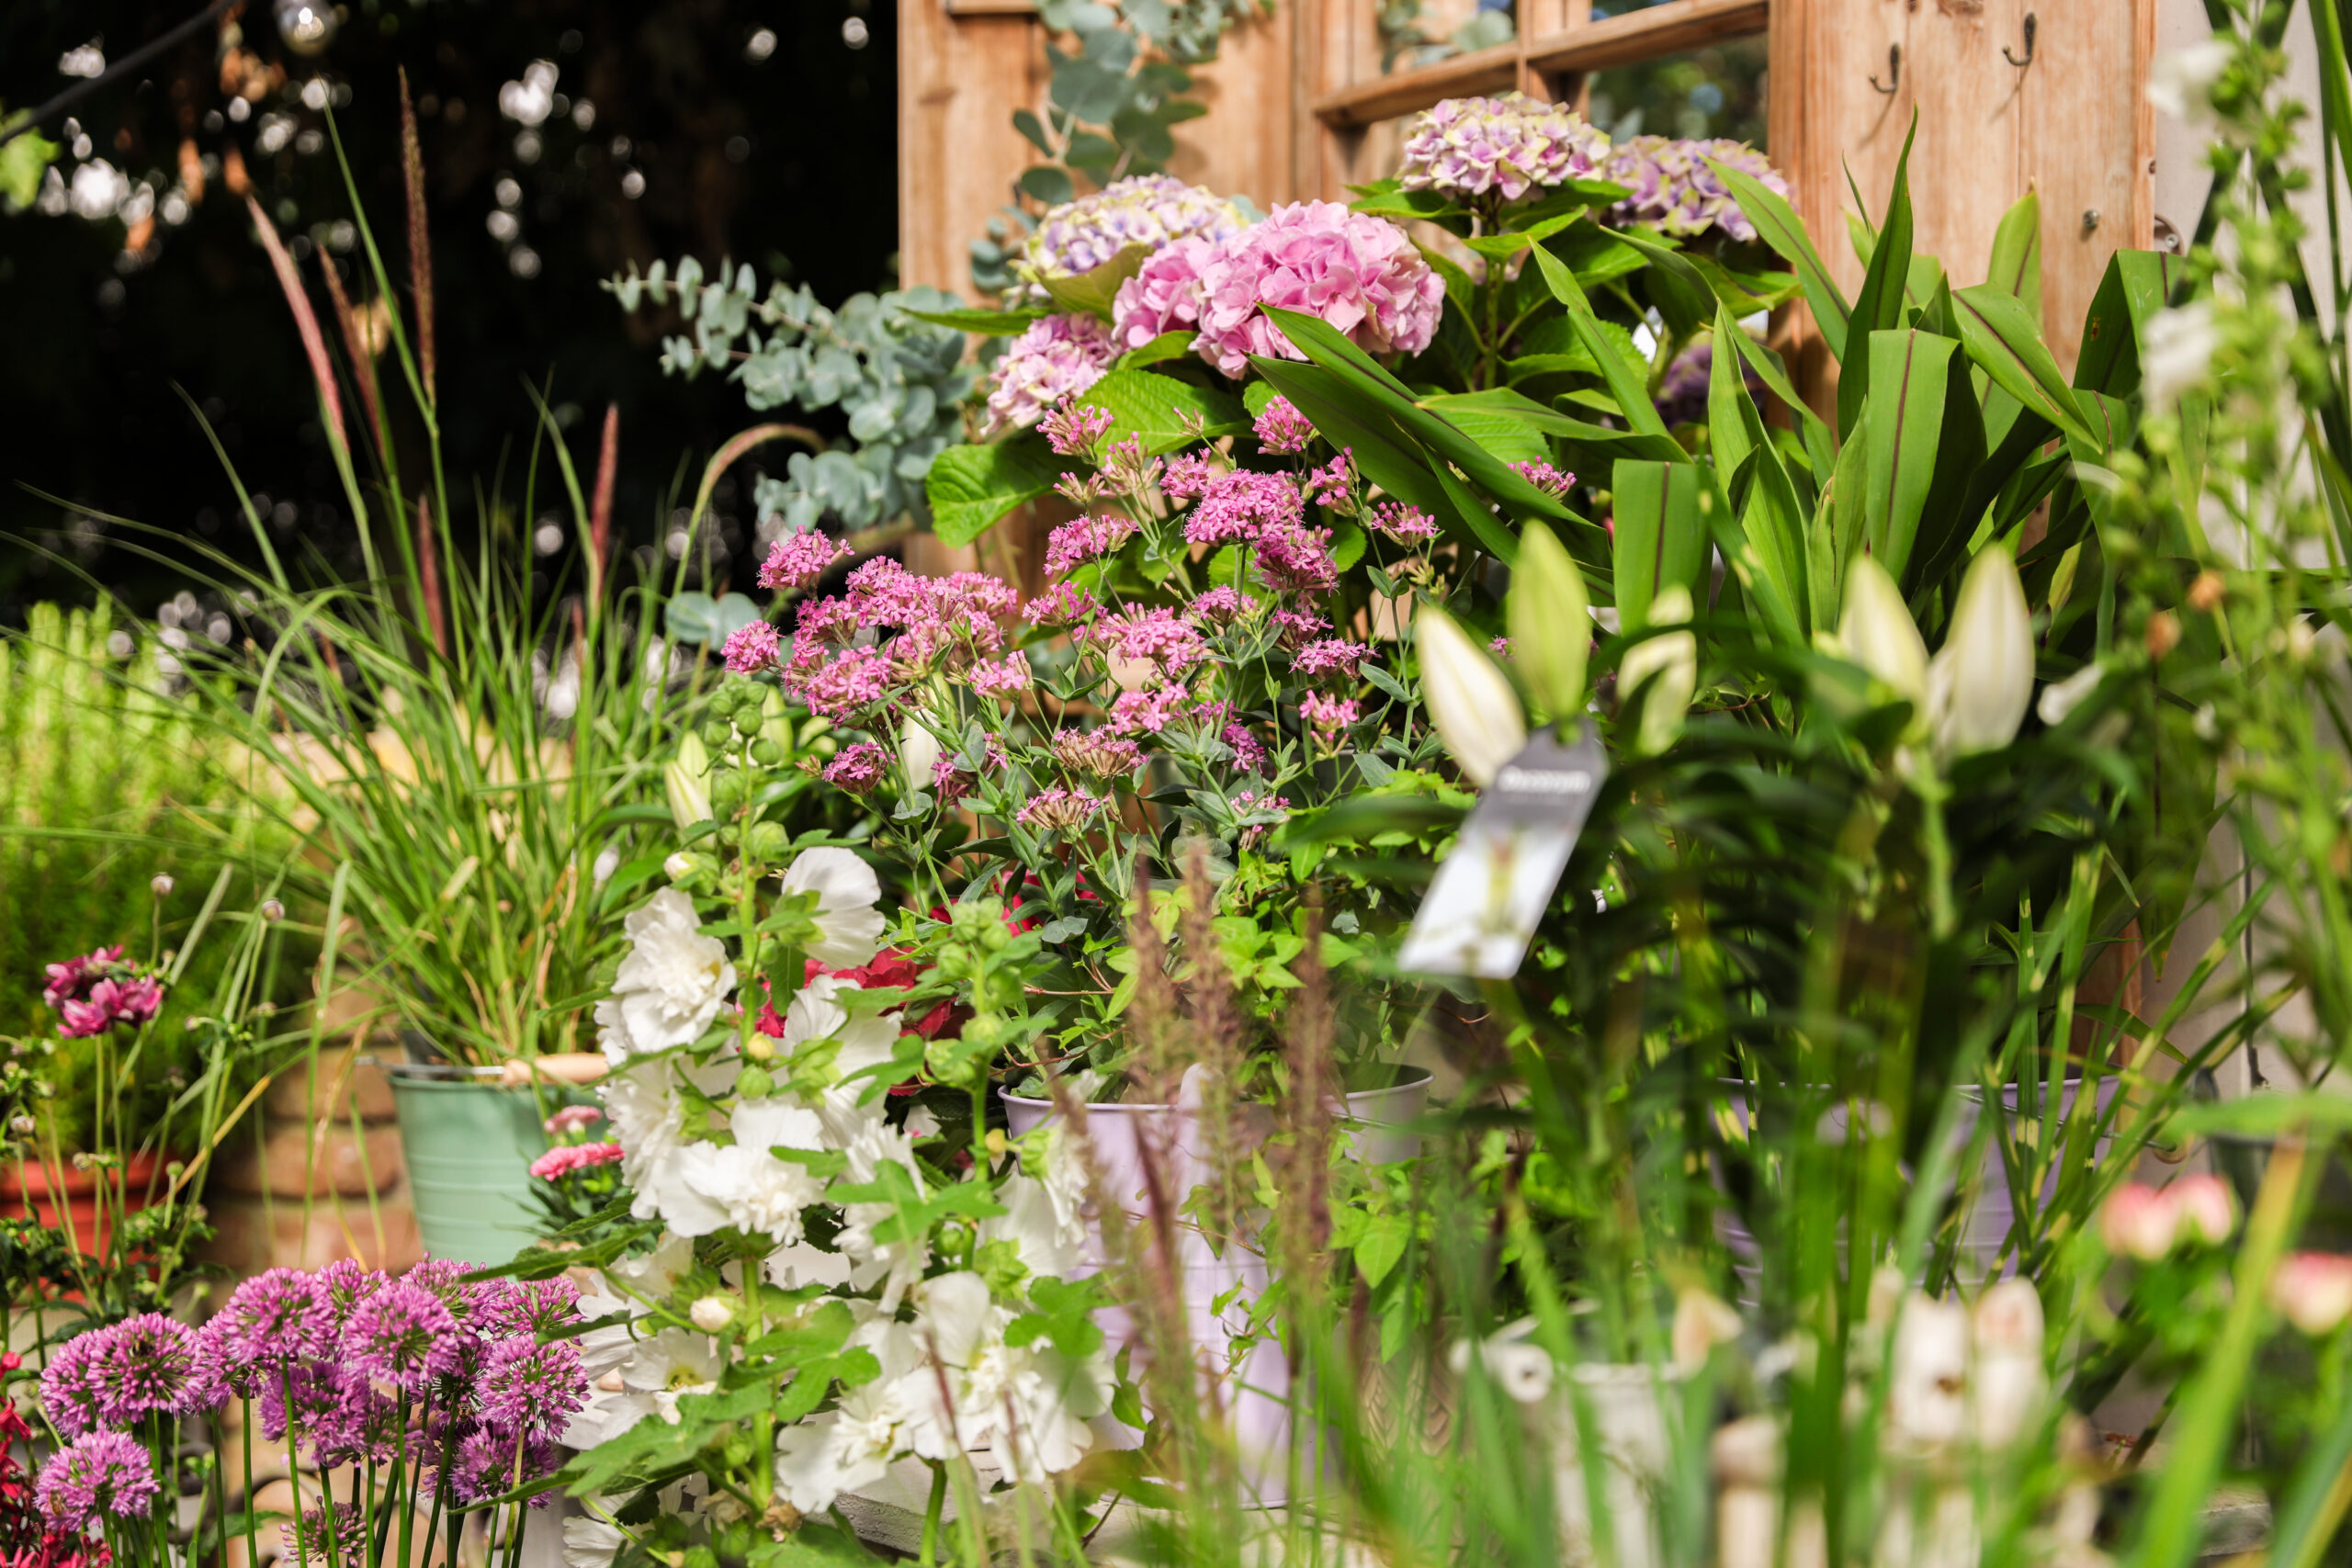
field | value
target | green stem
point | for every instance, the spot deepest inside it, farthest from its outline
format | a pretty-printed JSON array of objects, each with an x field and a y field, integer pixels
[{"x": 930, "y": 1555}]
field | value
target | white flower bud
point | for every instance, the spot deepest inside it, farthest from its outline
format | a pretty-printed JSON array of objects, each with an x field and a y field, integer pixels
[
  {"x": 161, "y": 885},
  {"x": 687, "y": 781},
  {"x": 918, "y": 754},
  {"x": 272, "y": 911},
  {"x": 1471, "y": 702},
  {"x": 712, "y": 1314},
  {"x": 1661, "y": 673},
  {"x": 678, "y": 866},
  {"x": 1880, "y": 634},
  {"x": 1981, "y": 681}
]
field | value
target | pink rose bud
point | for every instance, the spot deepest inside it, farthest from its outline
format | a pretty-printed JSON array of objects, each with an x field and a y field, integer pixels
[
  {"x": 2203, "y": 1209},
  {"x": 2138, "y": 1222},
  {"x": 2313, "y": 1289}
]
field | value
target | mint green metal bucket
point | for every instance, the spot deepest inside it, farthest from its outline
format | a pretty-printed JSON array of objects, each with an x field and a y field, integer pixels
[{"x": 469, "y": 1147}]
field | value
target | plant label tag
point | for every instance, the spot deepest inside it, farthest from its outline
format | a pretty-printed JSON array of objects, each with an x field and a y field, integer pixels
[{"x": 1485, "y": 902}]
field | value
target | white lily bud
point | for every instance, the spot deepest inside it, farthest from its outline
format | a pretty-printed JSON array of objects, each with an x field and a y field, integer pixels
[
  {"x": 1661, "y": 671},
  {"x": 688, "y": 780},
  {"x": 1980, "y": 682},
  {"x": 1471, "y": 702},
  {"x": 712, "y": 1314},
  {"x": 1880, "y": 634},
  {"x": 918, "y": 754}
]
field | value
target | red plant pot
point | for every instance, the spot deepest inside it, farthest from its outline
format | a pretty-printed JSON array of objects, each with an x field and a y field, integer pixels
[{"x": 29, "y": 1190}]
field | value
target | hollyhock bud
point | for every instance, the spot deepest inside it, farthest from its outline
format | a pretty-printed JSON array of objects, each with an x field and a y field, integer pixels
[
  {"x": 918, "y": 755},
  {"x": 1550, "y": 618},
  {"x": 1880, "y": 634},
  {"x": 2138, "y": 1222},
  {"x": 2313, "y": 1289},
  {"x": 1980, "y": 682},
  {"x": 2203, "y": 1209},
  {"x": 711, "y": 1313},
  {"x": 1661, "y": 671},
  {"x": 687, "y": 778},
  {"x": 1471, "y": 702}
]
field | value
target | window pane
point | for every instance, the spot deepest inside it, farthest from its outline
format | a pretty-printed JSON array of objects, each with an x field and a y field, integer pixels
[
  {"x": 1716, "y": 91},
  {"x": 1420, "y": 32}
]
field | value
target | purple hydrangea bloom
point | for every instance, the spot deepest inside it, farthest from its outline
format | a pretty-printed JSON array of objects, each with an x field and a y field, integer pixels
[
  {"x": 1142, "y": 209},
  {"x": 1507, "y": 146},
  {"x": 1673, "y": 189},
  {"x": 143, "y": 1365},
  {"x": 404, "y": 1335},
  {"x": 529, "y": 1387},
  {"x": 1056, "y": 358},
  {"x": 99, "y": 1473}
]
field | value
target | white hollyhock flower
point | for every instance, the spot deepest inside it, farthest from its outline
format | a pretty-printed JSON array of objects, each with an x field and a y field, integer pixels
[
  {"x": 918, "y": 754},
  {"x": 2180, "y": 345},
  {"x": 641, "y": 1107},
  {"x": 671, "y": 985},
  {"x": 1927, "y": 1395},
  {"x": 1981, "y": 681},
  {"x": 754, "y": 1190},
  {"x": 590, "y": 1543},
  {"x": 1471, "y": 702},
  {"x": 1879, "y": 633},
  {"x": 849, "y": 926},
  {"x": 2180, "y": 81}
]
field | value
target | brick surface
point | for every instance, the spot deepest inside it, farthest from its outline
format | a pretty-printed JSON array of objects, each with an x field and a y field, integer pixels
[
  {"x": 336, "y": 1163},
  {"x": 339, "y": 1083},
  {"x": 253, "y": 1235}
]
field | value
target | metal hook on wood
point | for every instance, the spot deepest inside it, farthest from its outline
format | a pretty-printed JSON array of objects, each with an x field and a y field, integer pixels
[
  {"x": 2029, "y": 25},
  {"x": 1894, "y": 70}
]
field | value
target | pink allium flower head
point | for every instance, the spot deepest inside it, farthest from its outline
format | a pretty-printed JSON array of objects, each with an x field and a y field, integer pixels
[
  {"x": 1471, "y": 147},
  {"x": 1159, "y": 634},
  {"x": 1298, "y": 559},
  {"x": 1083, "y": 539},
  {"x": 822, "y": 622},
  {"x": 1544, "y": 476},
  {"x": 1187, "y": 475},
  {"x": 143, "y": 1365},
  {"x": 1673, "y": 189},
  {"x": 305, "y": 1538},
  {"x": 849, "y": 683},
  {"x": 402, "y": 1335},
  {"x": 1240, "y": 507},
  {"x": 2314, "y": 1291},
  {"x": 336, "y": 1292},
  {"x": 526, "y": 1387},
  {"x": 1060, "y": 810},
  {"x": 99, "y": 1473},
  {"x": 1006, "y": 677},
  {"x": 1164, "y": 295},
  {"x": 1096, "y": 753},
  {"x": 1359, "y": 274},
  {"x": 542, "y": 1306},
  {"x": 1403, "y": 523},
  {"x": 1062, "y": 604},
  {"x": 858, "y": 769},
  {"x": 352, "y": 1422},
  {"x": 572, "y": 1118},
  {"x": 1157, "y": 210},
  {"x": 558, "y": 1163},
  {"x": 1248, "y": 755},
  {"x": 70, "y": 1388},
  {"x": 1282, "y": 428},
  {"x": 798, "y": 560},
  {"x": 1330, "y": 483},
  {"x": 752, "y": 650},
  {"x": 1071, "y": 429},
  {"x": 1055, "y": 359},
  {"x": 1329, "y": 715},
  {"x": 1298, "y": 627},
  {"x": 1331, "y": 656},
  {"x": 1221, "y": 606},
  {"x": 267, "y": 1319},
  {"x": 491, "y": 1462}
]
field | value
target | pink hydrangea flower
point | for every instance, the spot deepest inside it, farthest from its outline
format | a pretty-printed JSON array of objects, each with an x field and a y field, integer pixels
[
  {"x": 1060, "y": 810},
  {"x": 1071, "y": 429},
  {"x": 1362, "y": 274},
  {"x": 1331, "y": 656},
  {"x": 859, "y": 768},
  {"x": 1062, "y": 604},
  {"x": 1083, "y": 539},
  {"x": 752, "y": 648},
  {"x": 1249, "y": 754},
  {"x": 1007, "y": 677},
  {"x": 800, "y": 559},
  {"x": 1328, "y": 715},
  {"x": 1056, "y": 358},
  {"x": 1187, "y": 475},
  {"x": 1544, "y": 476},
  {"x": 1221, "y": 606},
  {"x": 1282, "y": 428},
  {"x": 1469, "y": 147},
  {"x": 1164, "y": 295},
  {"x": 1240, "y": 507},
  {"x": 1403, "y": 523}
]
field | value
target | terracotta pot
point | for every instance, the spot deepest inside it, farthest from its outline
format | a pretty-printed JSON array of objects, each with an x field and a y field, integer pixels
[{"x": 27, "y": 1190}]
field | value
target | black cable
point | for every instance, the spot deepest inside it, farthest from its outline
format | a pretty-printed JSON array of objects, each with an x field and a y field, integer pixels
[{"x": 136, "y": 58}]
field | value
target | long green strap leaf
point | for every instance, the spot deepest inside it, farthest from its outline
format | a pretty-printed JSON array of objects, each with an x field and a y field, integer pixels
[
  {"x": 1661, "y": 533},
  {"x": 1776, "y": 223},
  {"x": 2002, "y": 340},
  {"x": 1902, "y": 429},
  {"x": 1879, "y": 305}
]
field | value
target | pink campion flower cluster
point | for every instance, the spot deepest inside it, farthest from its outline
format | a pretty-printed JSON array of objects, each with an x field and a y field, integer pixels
[
  {"x": 1544, "y": 476},
  {"x": 1406, "y": 525},
  {"x": 1362, "y": 274},
  {"x": 1186, "y": 475},
  {"x": 1060, "y": 810},
  {"x": 96, "y": 992},
  {"x": 1280, "y": 427},
  {"x": 1157, "y": 210},
  {"x": 1334, "y": 482},
  {"x": 951, "y": 781},
  {"x": 1159, "y": 635},
  {"x": 560, "y": 1162},
  {"x": 1248, "y": 753},
  {"x": 1331, "y": 656},
  {"x": 1062, "y": 604},
  {"x": 1465, "y": 148},
  {"x": 919, "y": 625},
  {"x": 752, "y": 648},
  {"x": 1221, "y": 606},
  {"x": 1073, "y": 544},
  {"x": 797, "y": 560},
  {"x": 858, "y": 768},
  {"x": 1071, "y": 429},
  {"x": 1673, "y": 189},
  {"x": 1329, "y": 715},
  {"x": 1053, "y": 360},
  {"x": 1096, "y": 753},
  {"x": 1241, "y": 507},
  {"x": 1006, "y": 677}
]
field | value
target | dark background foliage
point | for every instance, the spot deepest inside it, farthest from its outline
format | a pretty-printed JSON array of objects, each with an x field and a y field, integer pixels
[{"x": 757, "y": 130}]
